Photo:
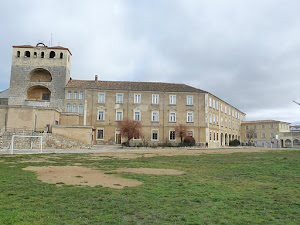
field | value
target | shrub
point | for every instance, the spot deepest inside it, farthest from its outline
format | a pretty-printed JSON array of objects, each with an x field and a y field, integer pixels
[
  {"x": 234, "y": 142},
  {"x": 189, "y": 141}
]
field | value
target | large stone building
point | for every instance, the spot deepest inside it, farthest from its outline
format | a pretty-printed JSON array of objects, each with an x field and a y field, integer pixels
[{"x": 42, "y": 94}]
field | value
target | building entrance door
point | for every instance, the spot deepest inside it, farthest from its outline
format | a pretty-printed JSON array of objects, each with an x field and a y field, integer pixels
[{"x": 118, "y": 137}]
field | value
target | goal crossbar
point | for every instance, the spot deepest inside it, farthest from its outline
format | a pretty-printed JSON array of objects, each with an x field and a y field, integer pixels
[{"x": 25, "y": 136}]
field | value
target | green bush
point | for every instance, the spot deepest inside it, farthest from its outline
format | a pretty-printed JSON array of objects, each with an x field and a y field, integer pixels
[{"x": 234, "y": 142}]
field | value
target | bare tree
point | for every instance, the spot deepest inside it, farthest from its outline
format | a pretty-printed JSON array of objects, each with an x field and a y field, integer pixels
[
  {"x": 130, "y": 129},
  {"x": 181, "y": 132},
  {"x": 250, "y": 134}
]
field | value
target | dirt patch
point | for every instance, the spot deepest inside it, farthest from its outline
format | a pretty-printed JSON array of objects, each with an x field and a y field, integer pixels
[
  {"x": 75, "y": 175},
  {"x": 150, "y": 171}
]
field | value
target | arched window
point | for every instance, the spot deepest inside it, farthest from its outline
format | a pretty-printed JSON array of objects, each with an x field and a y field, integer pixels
[
  {"x": 81, "y": 95},
  {"x": 27, "y": 54},
  {"x": 42, "y": 54},
  {"x": 61, "y": 55},
  {"x": 75, "y": 95},
  {"x": 80, "y": 109},
  {"x": 52, "y": 54},
  {"x": 69, "y": 95},
  {"x": 18, "y": 53},
  {"x": 34, "y": 55},
  {"x": 75, "y": 109},
  {"x": 68, "y": 107}
]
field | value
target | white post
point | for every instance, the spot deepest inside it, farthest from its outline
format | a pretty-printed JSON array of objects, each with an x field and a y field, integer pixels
[
  {"x": 12, "y": 145},
  {"x": 41, "y": 144}
]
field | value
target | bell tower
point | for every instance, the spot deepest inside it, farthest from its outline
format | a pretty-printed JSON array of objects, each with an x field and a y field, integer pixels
[{"x": 39, "y": 75}]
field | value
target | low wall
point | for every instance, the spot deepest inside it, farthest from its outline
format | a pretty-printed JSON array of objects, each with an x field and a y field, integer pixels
[{"x": 77, "y": 133}]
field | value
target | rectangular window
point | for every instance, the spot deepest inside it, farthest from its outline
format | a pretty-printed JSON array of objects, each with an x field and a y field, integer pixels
[
  {"x": 217, "y": 120},
  {"x": 210, "y": 118},
  {"x": 247, "y": 135},
  {"x": 214, "y": 119},
  {"x": 155, "y": 135},
  {"x": 272, "y": 135},
  {"x": 190, "y": 117},
  {"x": 263, "y": 135},
  {"x": 229, "y": 111},
  {"x": 190, "y": 133},
  {"x": 172, "y": 99},
  {"x": 46, "y": 97},
  {"x": 210, "y": 136},
  {"x": 247, "y": 127},
  {"x": 214, "y": 104},
  {"x": 262, "y": 126},
  {"x": 271, "y": 126},
  {"x": 101, "y": 115},
  {"x": 222, "y": 121},
  {"x": 189, "y": 100},
  {"x": 210, "y": 102},
  {"x": 69, "y": 95},
  {"x": 217, "y": 105},
  {"x": 119, "y": 116},
  {"x": 101, "y": 97},
  {"x": 155, "y": 99},
  {"x": 255, "y": 135},
  {"x": 225, "y": 109},
  {"x": 172, "y": 135},
  {"x": 172, "y": 117},
  {"x": 81, "y": 95},
  {"x": 100, "y": 134},
  {"x": 154, "y": 117},
  {"x": 119, "y": 98},
  {"x": 254, "y": 127},
  {"x": 137, "y": 98},
  {"x": 80, "y": 109},
  {"x": 137, "y": 116},
  {"x": 226, "y": 123}
]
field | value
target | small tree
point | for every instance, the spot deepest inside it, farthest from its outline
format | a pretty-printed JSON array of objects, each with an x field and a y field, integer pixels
[
  {"x": 181, "y": 132},
  {"x": 130, "y": 129},
  {"x": 250, "y": 134}
]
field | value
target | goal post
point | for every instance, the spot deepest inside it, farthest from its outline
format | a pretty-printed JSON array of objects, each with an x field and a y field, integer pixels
[{"x": 31, "y": 142}]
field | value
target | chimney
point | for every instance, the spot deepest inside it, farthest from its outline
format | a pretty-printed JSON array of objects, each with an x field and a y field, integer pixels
[{"x": 96, "y": 77}]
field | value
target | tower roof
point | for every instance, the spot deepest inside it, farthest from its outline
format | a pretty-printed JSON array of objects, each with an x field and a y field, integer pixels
[{"x": 43, "y": 46}]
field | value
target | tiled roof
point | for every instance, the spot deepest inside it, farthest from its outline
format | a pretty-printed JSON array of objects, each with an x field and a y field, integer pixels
[
  {"x": 264, "y": 121},
  {"x": 133, "y": 86},
  {"x": 30, "y": 46}
]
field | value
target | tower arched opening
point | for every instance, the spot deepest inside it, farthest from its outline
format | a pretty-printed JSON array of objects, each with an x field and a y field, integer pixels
[
  {"x": 40, "y": 75},
  {"x": 38, "y": 93}
]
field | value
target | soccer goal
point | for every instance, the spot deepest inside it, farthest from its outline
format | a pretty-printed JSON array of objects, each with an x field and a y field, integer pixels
[{"x": 31, "y": 141}]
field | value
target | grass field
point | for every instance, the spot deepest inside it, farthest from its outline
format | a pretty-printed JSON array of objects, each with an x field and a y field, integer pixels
[{"x": 239, "y": 188}]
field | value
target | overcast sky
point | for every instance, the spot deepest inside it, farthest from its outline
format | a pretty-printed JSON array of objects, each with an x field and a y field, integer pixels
[{"x": 245, "y": 52}]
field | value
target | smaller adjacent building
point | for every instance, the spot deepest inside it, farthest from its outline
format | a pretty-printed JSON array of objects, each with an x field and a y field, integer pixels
[{"x": 264, "y": 133}]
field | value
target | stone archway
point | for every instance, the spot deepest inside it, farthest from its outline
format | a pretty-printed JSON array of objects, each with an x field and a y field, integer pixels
[
  {"x": 296, "y": 143},
  {"x": 40, "y": 75},
  {"x": 222, "y": 139},
  {"x": 38, "y": 93},
  {"x": 288, "y": 143},
  {"x": 226, "y": 139}
]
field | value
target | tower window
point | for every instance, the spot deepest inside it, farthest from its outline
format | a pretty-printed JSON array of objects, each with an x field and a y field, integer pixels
[
  {"x": 61, "y": 55},
  {"x": 52, "y": 54},
  {"x": 18, "y": 53},
  {"x": 34, "y": 55},
  {"x": 42, "y": 54},
  {"x": 27, "y": 54}
]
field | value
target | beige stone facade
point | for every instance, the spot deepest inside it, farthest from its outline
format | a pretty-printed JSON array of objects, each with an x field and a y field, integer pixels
[
  {"x": 264, "y": 133},
  {"x": 42, "y": 94}
]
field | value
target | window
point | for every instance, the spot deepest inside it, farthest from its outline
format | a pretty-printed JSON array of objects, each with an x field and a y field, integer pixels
[
  {"x": 272, "y": 135},
  {"x": 101, "y": 97},
  {"x": 236, "y": 114},
  {"x": 189, "y": 100},
  {"x": 137, "y": 115},
  {"x": 217, "y": 120},
  {"x": 42, "y": 54},
  {"x": 101, "y": 115},
  {"x": 61, "y": 55},
  {"x": 229, "y": 124},
  {"x": 119, "y": 97},
  {"x": 172, "y": 117},
  {"x": 190, "y": 117},
  {"x": 262, "y": 126},
  {"x": 81, "y": 95},
  {"x": 225, "y": 122},
  {"x": 222, "y": 121},
  {"x": 68, "y": 107},
  {"x": 254, "y": 127},
  {"x": 210, "y": 136},
  {"x": 217, "y": 136},
  {"x": 214, "y": 136},
  {"x": 214, "y": 104},
  {"x": 69, "y": 95},
  {"x": 271, "y": 126},
  {"x": 210, "y": 118},
  {"x": 190, "y": 133},
  {"x": 52, "y": 55},
  {"x": 225, "y": 109},
  {"x": 18, "y": 53},
  {"x": 46, "y": 97},
  {"x": 155, "y": 99},
  {"x": 221, "y": 106},
  {"x": 210, "y": 102},
  {"x": 172, "y": 99},
  {"x": 80, "y": 109},
  {"x": 172, "y": 135},
  {"x": 74, "y": 109},
  {"x": 34, "y": 55},
  {"x": 217, "y": 105},
  {"x": 247, "y": 127},
  {"x": 229, "y": 111},
  {"x": 155, "y": 135},
  {"x": 27, "y": 54},
  {"x": 214, "y": 119},
  {"x": 247, "y": 135},
  {"x": 75, "y": 95},
  {"x": 255, "y": 135},
  {"x": 263, "y": 135},
  {"x": 154, "y": 117},
  {"x": 137, "y": 98},
  {"x": 100, "y": 134},
  {"x": 233, "y": 125},
  {"x": 119, "y": 116}
]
